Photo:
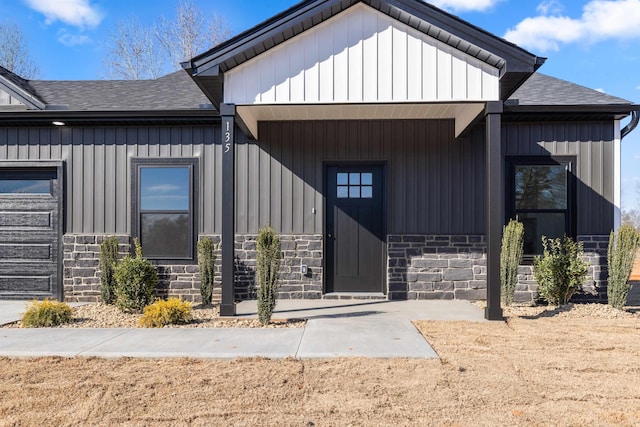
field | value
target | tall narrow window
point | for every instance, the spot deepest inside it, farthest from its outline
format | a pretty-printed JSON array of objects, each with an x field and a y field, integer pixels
[
  {"x": 540, "y": 195},
  {"x": 164, "y": 200}
]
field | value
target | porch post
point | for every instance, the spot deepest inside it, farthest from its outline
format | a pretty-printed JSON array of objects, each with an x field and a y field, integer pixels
[
  {"x": 228, "y": 306},
  {"x": 494, "y": 206}
]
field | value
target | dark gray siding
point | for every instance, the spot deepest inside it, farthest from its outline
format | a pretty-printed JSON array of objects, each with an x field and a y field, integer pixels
[
  {"x": 435, "y": 184},
  {"x": 591, "y": 144},
  {"x": 97, "y": 161}
]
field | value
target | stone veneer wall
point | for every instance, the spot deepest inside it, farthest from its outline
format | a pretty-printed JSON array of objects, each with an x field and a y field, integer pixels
[
  {"x": 436, "y": 267},
  {"x": 81, "y": 274},
  {"x": 298, "y": 250}
]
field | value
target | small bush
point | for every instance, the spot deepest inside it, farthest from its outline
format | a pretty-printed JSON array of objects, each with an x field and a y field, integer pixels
[
  {"x": 207, "y": 265},
  {"x": 623, "y": 247},
  {"x": 47, "y": 313},
  {"x": 267, "y": 265},
  {"x": 162, "y": 313},
  {"x": 510, "y": 258},
  {"x": 137, "y": 279},
  {"x": 108, "y": 262},
  {"x": 560, "y": 271}
]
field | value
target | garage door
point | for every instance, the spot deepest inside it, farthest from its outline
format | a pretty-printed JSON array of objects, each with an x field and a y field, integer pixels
[{"x": 30, "y": 232}]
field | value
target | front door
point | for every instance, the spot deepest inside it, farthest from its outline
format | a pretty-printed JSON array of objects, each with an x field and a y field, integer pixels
[{"x": 355, "y": 229}]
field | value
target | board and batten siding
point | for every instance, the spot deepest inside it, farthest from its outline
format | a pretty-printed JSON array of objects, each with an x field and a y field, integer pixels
[
  {"x": 435, "y": 184},
  {"x": 592, "y": 145},
  {"x": 361, "y": 55},
  {"x": 97, "y": 163}
]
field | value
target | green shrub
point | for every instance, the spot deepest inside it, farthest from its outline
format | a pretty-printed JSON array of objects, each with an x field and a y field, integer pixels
[
  {"x": 510, "y": 258},
  {"x": 108, "y": 262},
  {"x": 267, "y": 265},
  {"x": 207, "y": 265},
  {"x": 162, "y": 313},
  {"x": 137, "y": 279},
  {"x": 560, "y": 271},
  {"x": 47, "y": 313},
  {"x": 621, "y": 254}
]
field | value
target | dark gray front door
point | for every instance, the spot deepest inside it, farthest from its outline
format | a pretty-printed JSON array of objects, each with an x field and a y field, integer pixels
[
  {"x": 30, "y": 216},
  {"x": 355, "y": 229}
]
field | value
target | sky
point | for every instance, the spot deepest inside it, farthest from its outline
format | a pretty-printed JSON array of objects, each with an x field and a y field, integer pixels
[{"x": 595, "y": 43}]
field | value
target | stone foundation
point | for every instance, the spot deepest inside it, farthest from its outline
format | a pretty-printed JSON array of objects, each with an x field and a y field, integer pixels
[
  {"x": 436, "y": 267},
  {"x": 297, "y": 250},
  {"x": 82, "y": 271}
]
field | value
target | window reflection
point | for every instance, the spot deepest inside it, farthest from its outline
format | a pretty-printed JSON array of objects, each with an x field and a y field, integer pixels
[{"x": 164, "y": 188}]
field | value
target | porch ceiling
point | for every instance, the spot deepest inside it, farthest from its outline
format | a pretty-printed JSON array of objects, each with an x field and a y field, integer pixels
[{"x": 464, "y": 114}]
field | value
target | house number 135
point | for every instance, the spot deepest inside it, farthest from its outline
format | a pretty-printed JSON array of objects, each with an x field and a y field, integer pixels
[{"x": 227, "y": 139}]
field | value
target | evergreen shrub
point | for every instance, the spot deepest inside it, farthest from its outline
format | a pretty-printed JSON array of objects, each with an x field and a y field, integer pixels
[
  {"x": 137, "y": 279},
  {"x": 560, "y": 271},
  {"x": 166, "y": 312},
  {"x": 108, "y": 262},
  {"x": 207, "y": 265},
  {"x": 268, "y": 260},
  {"x": 623, "y": 247},
  {"x": 510, "y": 258},
  {"x": 46, "y": 314}
]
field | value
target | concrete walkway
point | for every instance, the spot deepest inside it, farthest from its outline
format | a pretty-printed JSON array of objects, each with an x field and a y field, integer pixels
[{"x": 335, "y": 328}]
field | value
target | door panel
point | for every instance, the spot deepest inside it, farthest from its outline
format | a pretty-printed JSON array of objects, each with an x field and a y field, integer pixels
[{"x": 355, "y": 229}]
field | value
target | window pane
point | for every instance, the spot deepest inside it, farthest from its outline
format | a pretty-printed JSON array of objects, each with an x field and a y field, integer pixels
[
  {"x": 354, "y": 178},
  {"x": 367, "y": 192},
  {"x": 25, "y": 186},
  {"x": 536, "y": 225},
  {"x": 354, "y": 192},
  {"x": 164, "y": 189},
  {"x": 343, "y": 178},
  {"x": 165, "y": 235},
  {"x": 541, "y": 187},
  {"x": 343, "y": 192},
  {"x": 367, "y": 179}
]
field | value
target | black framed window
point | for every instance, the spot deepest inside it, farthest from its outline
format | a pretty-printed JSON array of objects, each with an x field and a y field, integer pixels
[
  {"x": 164, "y": 201},
  {"x": 541, "y": 195}
]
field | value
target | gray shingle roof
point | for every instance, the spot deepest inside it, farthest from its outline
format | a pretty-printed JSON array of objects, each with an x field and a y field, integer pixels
[
  {"x": 175, "y": 91},
  {"x": 541, "y": 89}
]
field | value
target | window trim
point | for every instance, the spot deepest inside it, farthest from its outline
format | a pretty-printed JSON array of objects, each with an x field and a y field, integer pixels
[
  {"x": 510, "y": 203},
  {"x": 194, "y": 185}
]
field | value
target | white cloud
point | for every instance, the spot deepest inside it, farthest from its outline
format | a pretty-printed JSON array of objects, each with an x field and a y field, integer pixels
[
  {"x": 600, "y": 20},
  {"x": 465, "y": 5},
  {"x": 164, "y": 188},
  {"x": 550, "y": 7},
  {"x": 601, "y": 90},
  {"x": 72, "y": 39},
  {"x": 79, "y": 13}
]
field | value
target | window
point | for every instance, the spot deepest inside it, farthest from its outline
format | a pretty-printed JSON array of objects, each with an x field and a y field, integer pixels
[
  {"x": 164, "y": 199},
  {"x": 26, "y": 182},
  {"x": 540, "y": 193},
  {"x": 355, "y": 185}
]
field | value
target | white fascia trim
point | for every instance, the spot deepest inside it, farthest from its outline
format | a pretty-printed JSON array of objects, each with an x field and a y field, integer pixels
[{"x": 617, "y": 179}]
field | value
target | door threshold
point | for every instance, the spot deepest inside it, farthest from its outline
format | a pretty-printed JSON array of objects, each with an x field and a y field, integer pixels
[{"x": 355, "y": 295}]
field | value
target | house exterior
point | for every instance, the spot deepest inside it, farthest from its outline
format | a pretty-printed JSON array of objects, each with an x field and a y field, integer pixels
[{"x": 386, "y": 140}]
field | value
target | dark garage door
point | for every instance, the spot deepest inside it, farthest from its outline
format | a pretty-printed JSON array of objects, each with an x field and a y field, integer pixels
[{"x": 30, "y": 233}]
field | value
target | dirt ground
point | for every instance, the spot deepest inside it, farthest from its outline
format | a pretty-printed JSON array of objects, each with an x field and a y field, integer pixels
[{"x": 534, "y": 369}]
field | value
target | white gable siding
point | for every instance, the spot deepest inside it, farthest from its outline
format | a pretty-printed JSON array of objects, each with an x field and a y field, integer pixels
[
  {"x": 6, "y": 99},
  {"x": 361, "y": 55}
]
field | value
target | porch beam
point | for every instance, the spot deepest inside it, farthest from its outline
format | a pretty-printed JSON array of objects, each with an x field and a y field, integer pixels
[
  {"x": 228, "y": 306},
  {"x": 494, "y": 206}
]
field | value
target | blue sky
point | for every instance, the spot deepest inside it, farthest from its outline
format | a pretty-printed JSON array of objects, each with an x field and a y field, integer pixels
[{"x": 595, "y": 43}]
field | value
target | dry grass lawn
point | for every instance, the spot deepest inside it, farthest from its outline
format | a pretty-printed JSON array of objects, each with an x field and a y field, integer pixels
[{"x": 527, "y": 371}]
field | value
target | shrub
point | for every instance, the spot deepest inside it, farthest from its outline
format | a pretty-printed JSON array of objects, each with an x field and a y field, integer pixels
[
  {"x": 137, "y": 279},
  {"x": 162, "y": 313},
  {"x": 621, "y": 254},
  {"x": 206, "y": 264},
  {"x": 47, "y": 313},
  {"x": 560, "y": 271},
  {"x": 108, "y": 261},
  {"x": 267, "y": 265},
  {"x": 510, "y": 258}
]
